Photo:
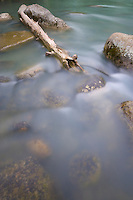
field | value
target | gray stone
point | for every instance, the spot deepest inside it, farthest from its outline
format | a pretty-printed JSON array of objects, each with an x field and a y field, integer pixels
[
  {"x": 44, "y": 17},
  {"x": 119, "y": 49}
]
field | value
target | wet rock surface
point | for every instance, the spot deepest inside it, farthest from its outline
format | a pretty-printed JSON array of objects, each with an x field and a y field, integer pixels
[
  {"x": 93, "y": 82},
  {"x": 5, "y": 17},
  {"x": 27, "y": 180},
  {"x": 119, "y": 49},
  {"x": 44, "y": 17},
  {"x": 14, "y": 38}
]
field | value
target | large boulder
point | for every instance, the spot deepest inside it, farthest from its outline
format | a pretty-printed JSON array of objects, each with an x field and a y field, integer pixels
[
  {"x": 119, "y": 49},
  {"x": 5, "y": 17},
  {"x": 44, "y": 17},
  {"x": 14, "y": 38}
]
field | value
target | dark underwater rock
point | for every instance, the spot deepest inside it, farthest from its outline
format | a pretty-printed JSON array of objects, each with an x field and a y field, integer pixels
[
  {"x": 27, "y": 180},
  {"x": 92, "y": 82},
  {"x": 5, "y": 17},
  {"x": 14, "y": 38},
  {"x": 119, "y": 49},
  {"x": 44, "y": 17}
]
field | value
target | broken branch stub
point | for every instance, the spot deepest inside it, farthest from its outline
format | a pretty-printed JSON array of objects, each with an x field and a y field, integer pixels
[{"x": 67, "y": 61}]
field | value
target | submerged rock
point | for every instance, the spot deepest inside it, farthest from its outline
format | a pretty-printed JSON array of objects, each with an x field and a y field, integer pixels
[
  {"x": 14, "y": 38},
  {"x": 119, "y": 49},
  {"x": 93, "y": 82},
  {"x": 5, "y": 17},
  {"x": 39, "y": 148},
  {"x": 127, "y": 113},
  {"x": 54, "y": 99},
  {"x": 44, "y": 17},
  {"x": 84, "y": 170},
  {"x": 27, "y": 180},
  {"x": 22, "y": 126},
  {"x": 29, "y": 73},
  {"x": 4, "y": 79}
]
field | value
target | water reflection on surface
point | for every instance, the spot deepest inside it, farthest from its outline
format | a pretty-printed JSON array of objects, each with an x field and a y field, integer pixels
[{"x": 78, "y": 122}]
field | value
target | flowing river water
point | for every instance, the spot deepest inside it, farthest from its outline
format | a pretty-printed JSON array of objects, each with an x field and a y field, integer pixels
[{"x": 89, "y": 122}]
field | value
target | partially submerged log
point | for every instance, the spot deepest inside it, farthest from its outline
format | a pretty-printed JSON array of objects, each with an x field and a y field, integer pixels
[{"x": 67, "y": 61}]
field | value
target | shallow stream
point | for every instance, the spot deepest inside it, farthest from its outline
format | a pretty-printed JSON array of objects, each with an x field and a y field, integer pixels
[{"x": 88, "y": 122}]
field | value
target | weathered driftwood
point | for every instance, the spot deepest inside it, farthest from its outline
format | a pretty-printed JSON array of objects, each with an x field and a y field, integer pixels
[{"x": 67, "y": 61}]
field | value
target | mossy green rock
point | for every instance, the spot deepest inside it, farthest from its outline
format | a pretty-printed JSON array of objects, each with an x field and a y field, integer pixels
[
  {"x": 25, "y": 180},
  {"x": 14, "y": 38},
  {"x": 119, "y": 49}
]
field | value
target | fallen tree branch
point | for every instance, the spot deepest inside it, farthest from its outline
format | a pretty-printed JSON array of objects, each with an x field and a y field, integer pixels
[{"x": 67, "y": 61}]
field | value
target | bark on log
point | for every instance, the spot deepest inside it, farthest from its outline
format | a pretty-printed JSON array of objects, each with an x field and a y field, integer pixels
[{"x": 67, "y": 61}]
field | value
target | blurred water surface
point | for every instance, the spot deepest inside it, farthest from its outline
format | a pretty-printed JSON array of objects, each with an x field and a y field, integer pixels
[{"x": 87, "y": 122}]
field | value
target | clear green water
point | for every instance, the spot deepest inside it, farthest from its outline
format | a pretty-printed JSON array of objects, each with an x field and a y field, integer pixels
[{"x": 89, "y": 122}]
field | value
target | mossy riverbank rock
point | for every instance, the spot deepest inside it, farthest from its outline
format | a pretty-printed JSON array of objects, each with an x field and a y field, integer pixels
[
  {"x": 91, "y": 83},
  {"x": 44, "y": 17},
  {"x": 119, "y": 49},
  {"x": 5, "y": 17},
  {"x": 29, "y": 72},
  {"x": 14, "y": 38},
  {"x": 26, "y": 180},
  {"x": 85, "y": 169},
  {"x": 126, "y": 108}
]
